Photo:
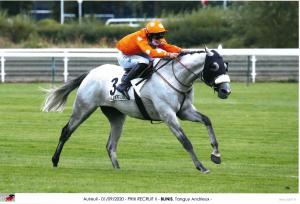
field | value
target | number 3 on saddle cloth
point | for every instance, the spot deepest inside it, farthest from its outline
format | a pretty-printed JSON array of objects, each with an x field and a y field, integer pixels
[{"x": 136, "y": 83}]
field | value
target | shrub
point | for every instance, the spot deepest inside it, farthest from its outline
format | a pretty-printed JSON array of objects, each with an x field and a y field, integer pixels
[
  {"x": 18, "y": 28},
  {"x": 267, "y": 24},
  {"x": 198, "y": 27},
  {"x": 90, "y": 32},
  {"x": 243, "y": 24},
  {"x": 49, "y": 29}
]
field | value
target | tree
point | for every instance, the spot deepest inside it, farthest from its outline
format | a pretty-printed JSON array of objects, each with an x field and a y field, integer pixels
[{"x": 267, "y": 24}]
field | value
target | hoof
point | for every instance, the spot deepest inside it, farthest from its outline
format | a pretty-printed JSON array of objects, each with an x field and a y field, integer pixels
[
  {"x": 116, "y": 166},
  {"x": 54, "y": 162},
  {"x": 215, "y": 159},
  {"x": 203, "y": 170},
  {"x": 113, "y": 159}
]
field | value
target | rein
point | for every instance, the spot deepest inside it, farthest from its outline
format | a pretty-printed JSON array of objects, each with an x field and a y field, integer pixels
[
  {"x": 184, "y": 66},
  {"x": 182, "y": 84},
  {"x": 154, "y": 70},
  {"x": 167, "y": 82},
  {"x": 197, "y": 75},
  {"x": 184, "y": 94}
]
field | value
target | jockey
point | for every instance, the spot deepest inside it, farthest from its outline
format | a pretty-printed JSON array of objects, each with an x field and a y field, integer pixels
[{"x": 139, "y": 48}]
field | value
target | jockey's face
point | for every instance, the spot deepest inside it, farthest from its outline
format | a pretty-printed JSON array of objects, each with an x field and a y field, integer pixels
[
  {"x": 155, "y": 38},
  {"x": 155, "y": 42}
]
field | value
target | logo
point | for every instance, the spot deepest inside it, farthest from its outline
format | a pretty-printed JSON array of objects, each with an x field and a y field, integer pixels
[
  {"x": 118, "y": 98},
  {"x": 6, "y": 197}
]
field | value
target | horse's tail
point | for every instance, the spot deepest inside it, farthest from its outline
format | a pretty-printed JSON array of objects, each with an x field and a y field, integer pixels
[{"x": 56, "y": 98}]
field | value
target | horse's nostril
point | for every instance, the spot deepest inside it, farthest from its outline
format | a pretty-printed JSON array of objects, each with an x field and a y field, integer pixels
[{"x": 225, "y": 91}]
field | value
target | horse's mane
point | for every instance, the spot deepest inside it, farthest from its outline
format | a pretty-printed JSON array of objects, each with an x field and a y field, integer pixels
[{"x": 158, "y": 62}]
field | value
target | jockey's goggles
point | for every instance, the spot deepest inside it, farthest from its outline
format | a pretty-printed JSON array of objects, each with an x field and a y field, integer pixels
[{"x": 158, "y": 36}]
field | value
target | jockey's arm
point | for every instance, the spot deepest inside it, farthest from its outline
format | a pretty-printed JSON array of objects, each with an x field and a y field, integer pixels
[
  {"x": 172, "y": 48},
  {"x": 154, "y": 53},
  {"x": 168, "y": 47}
]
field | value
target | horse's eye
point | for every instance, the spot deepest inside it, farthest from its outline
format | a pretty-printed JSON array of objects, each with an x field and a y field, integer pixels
[{"x": 215, "y": 66}]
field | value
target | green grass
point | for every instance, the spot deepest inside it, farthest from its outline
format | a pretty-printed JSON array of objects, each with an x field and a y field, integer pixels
[{"x": 257, "y": 129}]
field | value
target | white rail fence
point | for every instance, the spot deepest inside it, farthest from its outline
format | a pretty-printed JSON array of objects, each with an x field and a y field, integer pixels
[{"x": 67, "y": 54}]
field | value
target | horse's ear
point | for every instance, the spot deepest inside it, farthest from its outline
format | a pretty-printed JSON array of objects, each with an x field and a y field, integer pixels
[
  {"x": 220, "y": 50},
  {"x": 209, "y": 53}
]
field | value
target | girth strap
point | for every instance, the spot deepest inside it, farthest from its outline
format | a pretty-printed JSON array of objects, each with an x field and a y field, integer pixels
[{"x": 141, "y": 106}]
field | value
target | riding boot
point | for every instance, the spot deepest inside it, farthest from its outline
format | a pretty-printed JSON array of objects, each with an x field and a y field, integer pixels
[{"x": 128, "y": 76}]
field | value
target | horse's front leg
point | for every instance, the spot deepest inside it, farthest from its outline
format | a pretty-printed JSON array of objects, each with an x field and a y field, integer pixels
[
  {"x": 169, "y": 117},
  {"x": 190, "y": 113}
]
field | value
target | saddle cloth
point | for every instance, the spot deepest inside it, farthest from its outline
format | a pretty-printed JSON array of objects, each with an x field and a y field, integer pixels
[
  {"x": 135, "y": 94},
  {"x": 135, "y": 85}
]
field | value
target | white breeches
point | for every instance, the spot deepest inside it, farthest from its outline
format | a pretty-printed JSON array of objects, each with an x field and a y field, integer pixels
[{"x": 129, "y": 61}]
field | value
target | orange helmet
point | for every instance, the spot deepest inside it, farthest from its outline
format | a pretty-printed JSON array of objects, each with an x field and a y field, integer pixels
[{"x": 155, "y": 27}]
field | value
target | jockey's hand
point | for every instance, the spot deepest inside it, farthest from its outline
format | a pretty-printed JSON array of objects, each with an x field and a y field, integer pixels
[{"x": 173, "y": 55}]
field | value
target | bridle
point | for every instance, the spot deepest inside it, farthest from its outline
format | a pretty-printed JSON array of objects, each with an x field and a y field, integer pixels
[
  {"x": 189, "y": 87},
  {"x": 190, "y": 71},
  {"x": 196, "y": 75}
]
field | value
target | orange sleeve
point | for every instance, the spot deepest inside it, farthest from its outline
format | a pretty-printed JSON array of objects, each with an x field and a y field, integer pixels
[
  {"x": 146, "y": 48},
  {"x": 168, "y": 47}
]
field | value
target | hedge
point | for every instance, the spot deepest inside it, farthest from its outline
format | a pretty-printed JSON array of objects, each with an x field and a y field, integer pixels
[{"x": 252, "y": 24}]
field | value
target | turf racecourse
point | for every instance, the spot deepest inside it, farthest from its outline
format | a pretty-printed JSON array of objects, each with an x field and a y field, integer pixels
[{"x": 257, "y": 129}]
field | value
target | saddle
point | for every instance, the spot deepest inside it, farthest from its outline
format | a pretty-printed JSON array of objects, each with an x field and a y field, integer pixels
[
  {"x": 135, "y": 92},
  {"x": 147, "y": 73},
  {"x": 136, "y": 83}
]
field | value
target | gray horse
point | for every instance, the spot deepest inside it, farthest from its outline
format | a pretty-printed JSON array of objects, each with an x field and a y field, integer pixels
[{"x": 167, "y": 96}]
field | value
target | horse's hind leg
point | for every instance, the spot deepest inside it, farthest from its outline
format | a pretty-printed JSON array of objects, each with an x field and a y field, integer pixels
[
  {"x": 116, "y": 119},
  {"x": 81, "y": 111}
]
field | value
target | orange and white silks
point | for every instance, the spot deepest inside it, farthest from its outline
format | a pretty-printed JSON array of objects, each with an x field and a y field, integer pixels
[{"x": 137, "y": 43}]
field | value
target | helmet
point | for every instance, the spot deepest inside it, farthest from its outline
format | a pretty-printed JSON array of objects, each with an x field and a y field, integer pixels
[{"x": 155, "y": 27}]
